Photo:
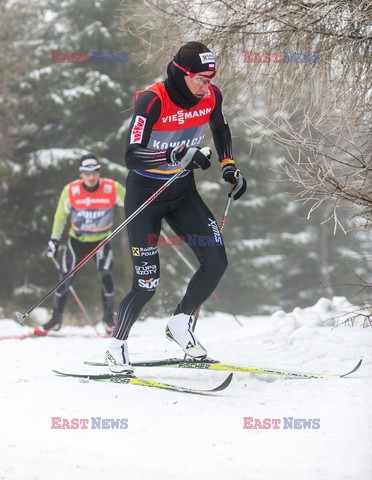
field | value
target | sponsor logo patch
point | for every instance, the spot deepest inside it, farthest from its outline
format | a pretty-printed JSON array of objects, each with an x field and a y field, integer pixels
[
  {"x": 137, "y": 130},
  {"x": 181, "y": 115},
  {"x": 107, "y": 188},
  {"x": 91, "y": 201},
  {"x": 75, "y": 190},
  {"x": 207, "y": 57},
  {"x": 216, "y": 231},
  {"x": 149, "y": 284},
  {"x": 144, "y": 251},
  {"x": 146, "y": 269}
]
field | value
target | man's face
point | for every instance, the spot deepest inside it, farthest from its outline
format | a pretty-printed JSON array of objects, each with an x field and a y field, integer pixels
[
  {"x": 198, "y": 85},
  {"x": 90, "y": 179}
]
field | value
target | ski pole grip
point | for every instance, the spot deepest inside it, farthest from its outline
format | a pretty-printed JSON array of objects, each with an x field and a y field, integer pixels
[{"x": 188, "y": 157}]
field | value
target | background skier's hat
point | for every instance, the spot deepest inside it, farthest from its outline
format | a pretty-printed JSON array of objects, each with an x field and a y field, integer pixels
[{"x": 89, "y": 164}]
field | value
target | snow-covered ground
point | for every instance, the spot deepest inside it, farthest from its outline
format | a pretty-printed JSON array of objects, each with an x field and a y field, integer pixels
[{"x": 177, "y": 436}]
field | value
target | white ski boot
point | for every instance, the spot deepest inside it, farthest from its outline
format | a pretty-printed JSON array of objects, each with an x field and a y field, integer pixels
[
  {"x": 117, "y": 357},
  {"x": 179, "y": 330}
]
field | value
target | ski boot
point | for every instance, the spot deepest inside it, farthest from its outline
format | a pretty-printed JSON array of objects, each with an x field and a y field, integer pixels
[
  {"x": 179, "y": 331},
  {"x": 54, "y": 324},
  {"x": 117, "y": 357}
]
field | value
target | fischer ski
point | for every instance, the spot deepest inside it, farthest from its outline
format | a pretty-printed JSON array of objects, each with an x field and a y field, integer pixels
[
  {"x": 209, "y": 364},
  {"x": 125, "y": 379}
]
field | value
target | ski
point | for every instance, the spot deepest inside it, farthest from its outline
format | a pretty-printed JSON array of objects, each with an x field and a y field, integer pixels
[
  {"x": 209, "y": 364},
  {"x": 125, "y": 379},
  {"x": 50, "y": 335},
  {"x": 29, "y": 335}
]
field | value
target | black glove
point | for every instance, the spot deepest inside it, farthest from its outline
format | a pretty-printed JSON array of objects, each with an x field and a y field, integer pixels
[
  {"x": 228, "y": 173},
  {"x": 240, "y": 186},
  {"x": 190, "y": 158},
  {"x": 53, "y": 245},
  {"x": 233, "y": 176}
]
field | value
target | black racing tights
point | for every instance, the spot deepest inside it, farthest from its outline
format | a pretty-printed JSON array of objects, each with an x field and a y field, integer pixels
[
  {"x": 186, "y": 213},
  {"x": 74, "y": 253}
]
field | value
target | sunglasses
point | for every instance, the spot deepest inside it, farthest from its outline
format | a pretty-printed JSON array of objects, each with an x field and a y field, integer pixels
[
  {"x": 197, "y": 78},
  {"x": 89, "y": 173}
]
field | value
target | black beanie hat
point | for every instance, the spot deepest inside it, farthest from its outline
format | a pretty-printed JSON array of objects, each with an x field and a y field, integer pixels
[{"x": 196, "y": 57}]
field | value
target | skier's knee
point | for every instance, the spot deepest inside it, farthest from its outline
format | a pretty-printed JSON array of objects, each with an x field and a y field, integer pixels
[
  {"x": 220, "y": 267},
  {"x": 107, "y": 281},
  {"x": 217, "y": 266},
  {"x": 145, "y": 289}
]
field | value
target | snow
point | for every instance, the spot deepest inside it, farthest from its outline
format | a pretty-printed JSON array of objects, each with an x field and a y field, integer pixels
[
  {"x": 96, "y": 79},
  {"x": 255, "y": 243},
  {"x": 296, "y": 238},
  {"x": 36, "y": 74},
  {"x": 124, "y": 128},
  {"x": 256, "y": 202},
  {"x": 95, "y": 27},
  {"x": 77, "y": 92},
  {"x": 205, "y": 186},
  {"x": 266, "y": 260},
  {"x": 172, "y": 435},
  {"x": 50, "y": 157}
]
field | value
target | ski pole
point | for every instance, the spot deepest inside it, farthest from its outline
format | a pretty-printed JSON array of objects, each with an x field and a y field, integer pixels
[
  {"x": 185, "y": 161},
  {"x": 214, "y": 293},
  {"x": 76, "y": 297}
]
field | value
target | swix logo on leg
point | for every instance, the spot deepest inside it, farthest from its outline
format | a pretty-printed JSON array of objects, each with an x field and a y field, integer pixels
[
  {"x": 149, "y": 284},
  {"x": 216, "y": 231},
  {"x": 137, "y": 130}
]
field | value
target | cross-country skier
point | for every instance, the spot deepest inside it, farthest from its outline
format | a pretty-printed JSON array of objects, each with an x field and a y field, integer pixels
[
  {"x": 90, "y": 203},
  {"x": 169, "y": 122}
]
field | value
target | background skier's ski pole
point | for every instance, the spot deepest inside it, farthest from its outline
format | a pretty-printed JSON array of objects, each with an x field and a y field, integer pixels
[
  {"x": 22, "y": 317},
  {"x": 76, "y": 297}
]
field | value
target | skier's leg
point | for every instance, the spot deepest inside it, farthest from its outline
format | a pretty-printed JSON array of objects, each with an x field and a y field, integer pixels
[
  {"x": 146, "y": 269},
  {"x": 104, "y": 264},
  {"x": 70, "y": 258},
  {"x": 146, "y": 274},
  {"x": 195, "y": 222}
]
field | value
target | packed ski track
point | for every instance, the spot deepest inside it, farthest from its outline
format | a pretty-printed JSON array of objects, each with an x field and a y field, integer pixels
[{"x": 172, "y": 435}]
